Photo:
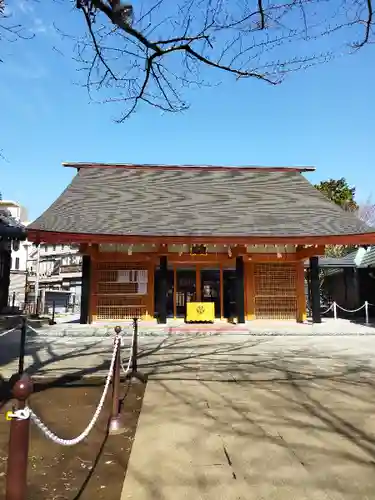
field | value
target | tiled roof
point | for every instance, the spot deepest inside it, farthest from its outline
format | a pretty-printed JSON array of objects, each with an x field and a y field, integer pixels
[
  {"x": 181, "y": 201},
  {"x": 10, "y": 227},
  {"x": 336, "y": 262}
]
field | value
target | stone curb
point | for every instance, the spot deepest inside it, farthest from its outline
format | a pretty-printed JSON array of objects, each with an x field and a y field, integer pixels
[{"x": 100, "y": 335}]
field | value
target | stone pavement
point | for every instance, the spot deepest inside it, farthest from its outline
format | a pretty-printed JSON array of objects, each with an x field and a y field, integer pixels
[
  {"x": 218, "y": 356},
  {"x": 282, "y": 440},
  {"x": 70, "y": 328}
]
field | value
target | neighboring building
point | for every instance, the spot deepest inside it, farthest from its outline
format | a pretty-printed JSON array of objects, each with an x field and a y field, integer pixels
[
  {"x": 55, "y": 270},
  {"x": 349, "y": 280},
  {"x": 155, "y": 238},
  {"x": 19, "y": 256},
  {"x": 60, "y": 272},
  {"x": 12, "y": 236}
]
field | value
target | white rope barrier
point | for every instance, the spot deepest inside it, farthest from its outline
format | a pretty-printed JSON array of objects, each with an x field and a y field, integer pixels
[
  {"x": 9, "y": 331},
  {"x": 32, "y": 329},
  {"x": 71, "y": 442},
  {"x": 334, "y": 306},
  {"x": 327, "y": 310},
  {"x": 350, "y": 310}
]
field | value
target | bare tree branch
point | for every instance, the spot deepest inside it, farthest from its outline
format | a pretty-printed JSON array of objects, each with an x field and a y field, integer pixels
[
  {"x": 9, "y": 31},
  {"x": 154, "y": 51},
  {"x": 368, "y": 24},
  {"x": 262, "y": 15}
]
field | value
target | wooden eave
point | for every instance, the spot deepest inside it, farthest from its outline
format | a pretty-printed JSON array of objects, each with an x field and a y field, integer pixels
[{"x": 38, "y": 236}]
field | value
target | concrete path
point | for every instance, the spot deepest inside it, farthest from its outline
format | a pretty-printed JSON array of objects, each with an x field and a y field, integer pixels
[{"x": 282, "y": 440}]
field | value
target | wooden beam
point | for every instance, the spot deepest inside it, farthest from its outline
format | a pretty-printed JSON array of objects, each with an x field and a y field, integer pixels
[
  {"x": 174, "y": 291},
  {"x": 163, "y": 288},
  {"x": 85, "y": 313},
  {"x": 83, "y": 248},
  {"x": 250, "y": 291},
  {"x": 315, "y": 290},
  {"x": 124, "y": 257},
  {"x": 238, "y": 250},
  {"x": 93, "y": 251},
  {"x": 240, "y": 290},
  {"x": 93, "y": 292},
  {"x": 200, "y": 259},
  {"x": 303, "y": 253},
  {"x": 221, "y": 292},
  {"x": 151, "y": 291},
  {"x": 198, "y": 284},
  {"x": 60, "y": 237},
  {"x": 270, "y": 257}
]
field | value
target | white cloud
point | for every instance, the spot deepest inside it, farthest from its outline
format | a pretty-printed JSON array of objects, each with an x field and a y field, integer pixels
[
  {"x": 39, "y": 26},
  {"x": 25, "y": 6}
]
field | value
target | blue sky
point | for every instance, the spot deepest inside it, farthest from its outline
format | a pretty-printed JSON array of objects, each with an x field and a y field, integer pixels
[{"x": 322, "y": 117}]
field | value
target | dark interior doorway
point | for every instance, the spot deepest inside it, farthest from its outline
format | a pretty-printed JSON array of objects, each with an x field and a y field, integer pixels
[
  {"x": 169, "y": 293},
  {"x": 229, "y": 286},
  {"x": 210, "y": 288},
  {"x": 185, "y": 290}
]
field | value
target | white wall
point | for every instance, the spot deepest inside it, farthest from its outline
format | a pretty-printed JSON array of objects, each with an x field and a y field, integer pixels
[{"x": 19, "y": 257}]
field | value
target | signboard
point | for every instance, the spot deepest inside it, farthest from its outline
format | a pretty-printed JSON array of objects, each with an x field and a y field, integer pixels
[{"x": 198, "y": 250}]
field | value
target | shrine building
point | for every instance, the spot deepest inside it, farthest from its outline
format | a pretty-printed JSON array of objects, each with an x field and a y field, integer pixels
[{"x": 163, "y": 242}]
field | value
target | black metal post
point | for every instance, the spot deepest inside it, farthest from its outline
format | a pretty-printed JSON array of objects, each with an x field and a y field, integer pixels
[
  {"x": 315, "y": 290},
  {"x": 135, "y": 374},
  {"x": 5, "y": 279},
  {"x": 37, "y": 312},
  {"x": 163, "y": 284},
  {"x": 18, "y": 451},
  {"x": 13, "y": 300},
  {"x": 135, "y": 346},
  {"x": 26, "y": 297},
  {"x": 21, "y": 359},
  {"x": 85, "y": 293},
  {"x": 240, "y": 290},
  {"x": 52, "y": 320}
]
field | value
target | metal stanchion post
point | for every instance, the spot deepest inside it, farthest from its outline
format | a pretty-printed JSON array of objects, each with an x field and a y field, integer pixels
[
  {"x": 16, "y": 479},
  {"x": 21, "y": 359},
  {"x": 115, "y": 424},
  {"x": 366, "y": 312},
  {"x": 52, "y": 321},
  {"x": 135, "y": 375},
  {"x": 135, "y": 346}
]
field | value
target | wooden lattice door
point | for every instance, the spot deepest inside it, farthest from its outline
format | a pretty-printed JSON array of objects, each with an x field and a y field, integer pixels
[
  {"x": 121, "y": 290},
  {"x": 275, "y": 291}
]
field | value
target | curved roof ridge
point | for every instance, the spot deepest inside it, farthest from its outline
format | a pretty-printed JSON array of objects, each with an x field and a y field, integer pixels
[{"x": 79, "y": 165}]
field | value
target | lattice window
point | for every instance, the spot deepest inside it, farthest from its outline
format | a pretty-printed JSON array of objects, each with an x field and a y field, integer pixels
[
  {"x": 121, "y": 312},
  {"x": 119, "y": 300},
  {"x": 275, "y": 291},
  {"x": 109, "y": 287}
]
